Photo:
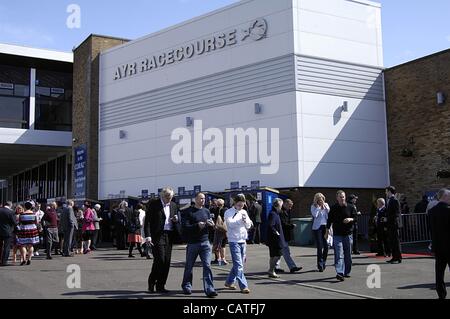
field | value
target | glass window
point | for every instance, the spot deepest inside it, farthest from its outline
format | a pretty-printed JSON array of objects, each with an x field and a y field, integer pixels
[
  {"x": 61, "y": 176},
  {"x": 53, "y": 115},
  {"x": 14, "y": 75},
  {"x": 53, "y": 101},
  {"x": 14, "y": 97},
  {"x": 42, "y": 179},
  {"x": 51, "y": 179},
  {"x": 20, "y": 186},
  {"x": 15, "y": 189},
  {"x": 14, "y": 112}
]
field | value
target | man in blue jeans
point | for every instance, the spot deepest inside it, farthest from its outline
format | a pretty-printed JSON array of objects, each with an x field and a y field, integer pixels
[
  {"x": 342, "y": 218},
  {"x": 195, "y": 222}
]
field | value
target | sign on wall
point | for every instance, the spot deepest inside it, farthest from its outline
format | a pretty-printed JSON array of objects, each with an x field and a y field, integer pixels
[
  {"x": 80, "y": 171},
  {"x": 255, "y": 30}
]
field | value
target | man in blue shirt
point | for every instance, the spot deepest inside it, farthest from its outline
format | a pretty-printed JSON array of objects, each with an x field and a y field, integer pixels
[{"x": 195, "y": 222}]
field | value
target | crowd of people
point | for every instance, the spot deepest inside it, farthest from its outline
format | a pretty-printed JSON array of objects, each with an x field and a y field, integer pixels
[{"x": 208, "y": 228}]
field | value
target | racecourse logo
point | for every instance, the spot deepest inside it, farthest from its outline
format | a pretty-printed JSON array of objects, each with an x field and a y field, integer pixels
[
  {"x": 227, "y": 146},
  {"x": 256, "y": 31}
]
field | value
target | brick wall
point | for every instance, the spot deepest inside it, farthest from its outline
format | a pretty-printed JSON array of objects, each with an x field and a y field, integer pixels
[
  {"x": 86, "y": 102},
  {"x": 417, "y": 123}
]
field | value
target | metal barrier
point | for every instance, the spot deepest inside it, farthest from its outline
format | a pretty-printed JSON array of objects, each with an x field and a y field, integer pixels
[
  {"x": 363, "y": 225},
  {"x": 415, "y": 228}
]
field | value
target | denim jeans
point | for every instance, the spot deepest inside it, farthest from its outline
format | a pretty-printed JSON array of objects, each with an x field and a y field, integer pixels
[
  {"x": 287, "y": 258},
  {"x": 343, "y": 254},
  {"x": 192, "y": 251},
  {"x": 322, "y": 247},
  {"x": 238, "y": 251}
]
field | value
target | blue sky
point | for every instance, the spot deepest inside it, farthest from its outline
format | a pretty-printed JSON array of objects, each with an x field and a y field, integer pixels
[{"x": 411, "y": 28}]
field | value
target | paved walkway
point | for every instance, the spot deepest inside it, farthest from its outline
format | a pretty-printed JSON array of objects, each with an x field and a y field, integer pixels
[{"x": 109, "y": 273}]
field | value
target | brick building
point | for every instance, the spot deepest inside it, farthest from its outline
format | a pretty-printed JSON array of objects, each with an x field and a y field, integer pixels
[{"x": 419, "y": 125}]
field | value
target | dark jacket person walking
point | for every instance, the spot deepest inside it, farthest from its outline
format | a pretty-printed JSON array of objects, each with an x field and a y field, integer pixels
[
  {"x": 393, "y": 216},
  {"x": 7, "y": 224},
  {"x": 440, "y": 235},
  {"x": 161, "y": 222}
]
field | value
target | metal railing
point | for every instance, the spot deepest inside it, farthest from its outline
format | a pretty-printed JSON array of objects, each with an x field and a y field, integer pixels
[{"x": 415, "y": 228}]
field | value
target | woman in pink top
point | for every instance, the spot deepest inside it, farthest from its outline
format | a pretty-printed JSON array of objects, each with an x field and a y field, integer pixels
[{"x": 88, "y": 227}]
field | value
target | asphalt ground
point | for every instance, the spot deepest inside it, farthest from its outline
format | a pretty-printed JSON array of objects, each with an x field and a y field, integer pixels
[{"x": 110, "y": 274}]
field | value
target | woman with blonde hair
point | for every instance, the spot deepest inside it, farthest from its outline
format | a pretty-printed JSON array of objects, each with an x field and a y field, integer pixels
[{"x": 319, "y": 211}]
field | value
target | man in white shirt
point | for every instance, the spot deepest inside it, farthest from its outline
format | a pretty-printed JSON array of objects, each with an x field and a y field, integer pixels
[{"x": 162, "y": 220}]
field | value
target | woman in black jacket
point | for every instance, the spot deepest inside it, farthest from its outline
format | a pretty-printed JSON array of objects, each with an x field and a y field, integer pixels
[
  {"x": 275, "y": 237},
  {"x": 134, "y": 232}
]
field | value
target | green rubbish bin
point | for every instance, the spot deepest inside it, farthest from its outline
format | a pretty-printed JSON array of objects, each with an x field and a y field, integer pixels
[{"x": 303, "y": 231}]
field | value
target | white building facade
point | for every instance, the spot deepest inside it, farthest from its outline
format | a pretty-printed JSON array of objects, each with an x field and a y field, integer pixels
[{"x": 306, "y": 76}]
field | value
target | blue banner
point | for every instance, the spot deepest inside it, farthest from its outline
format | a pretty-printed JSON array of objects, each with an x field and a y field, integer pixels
[{"x": 80, "y": 171}]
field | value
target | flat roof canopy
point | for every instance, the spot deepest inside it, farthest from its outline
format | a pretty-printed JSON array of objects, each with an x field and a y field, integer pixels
[{"x": 17, "y": 158}]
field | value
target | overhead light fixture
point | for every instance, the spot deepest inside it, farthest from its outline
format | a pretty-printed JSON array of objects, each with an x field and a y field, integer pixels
[
  {"x": 258, "y": 108},
  {"x": 440, "y": 98}
]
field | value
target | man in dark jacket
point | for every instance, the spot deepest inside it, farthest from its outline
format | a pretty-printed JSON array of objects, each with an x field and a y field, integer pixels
[
  {"x": 341, "y": 217},
  {"x": 7, "y": 224},
  {"x": 195, "y": 224},
  {"x": 254, "y": 212},
  {"x": 383, "y": 249},
  {"x": 275, "y": 237},
  {"x": 393, "y": 216},
  {"x": 352, "y": 202},
  {"x": 162, "y": 221},
  {"x": 440, "y": 234},
  {"x": 68, "y": 224},
  {"x": 285, "y": 217},
  {"x": 421, "y": 207}
]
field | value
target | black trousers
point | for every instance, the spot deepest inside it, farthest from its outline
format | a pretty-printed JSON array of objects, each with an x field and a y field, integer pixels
[
  {"x": 94, "y": 239},
  {"x": 322, "y": 247},
  {"x": 5, "y": 247},
  {"x": 256, "y": 233},
  {"x": 394, "y": 242},
  {"x": 355, "y": 240},
  {"x": 68, "y": 238},
  {"x": 441, "y": 263},
  {"x": 383, "y": 247},
  {"x": 162, "y": 253},
  {"x": 121, "y": 238}
]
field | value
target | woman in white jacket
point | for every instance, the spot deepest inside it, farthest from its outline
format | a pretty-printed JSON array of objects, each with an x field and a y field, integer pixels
[
  {"x": 238, "y": 223},
  {"x": 319, "y": 211}
]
